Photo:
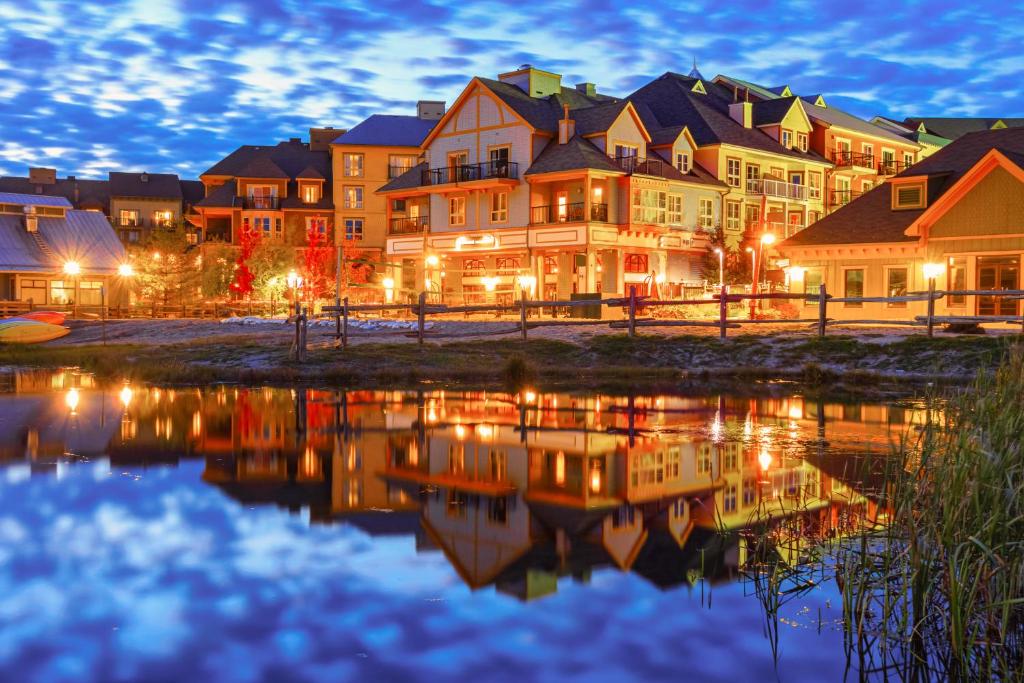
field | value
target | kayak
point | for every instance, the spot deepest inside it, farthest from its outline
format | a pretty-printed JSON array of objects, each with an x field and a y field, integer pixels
[
  {"x": 15, "y": 331},
  {"x": 52, "y": 317}
]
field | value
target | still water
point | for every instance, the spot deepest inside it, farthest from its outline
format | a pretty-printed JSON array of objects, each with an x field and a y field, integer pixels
[{"x": 268, "y": 534}]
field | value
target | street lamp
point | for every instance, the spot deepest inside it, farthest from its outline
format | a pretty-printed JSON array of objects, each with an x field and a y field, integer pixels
[
  {"x": 125, "y": 270},
  {"x": 74, "y": 269},
  {"x": 389, "y": 289},
  {"x": 721, "y": 268},
  {"x": 766, "y": 239},
  {"x": 294, "y": 282}
]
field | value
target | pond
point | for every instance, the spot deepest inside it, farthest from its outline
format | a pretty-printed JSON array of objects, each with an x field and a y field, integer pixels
[{"x": 271, "y": 534}]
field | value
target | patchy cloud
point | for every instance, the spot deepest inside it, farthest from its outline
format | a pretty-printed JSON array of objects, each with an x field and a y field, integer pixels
[{"x": 177, "y": 84}]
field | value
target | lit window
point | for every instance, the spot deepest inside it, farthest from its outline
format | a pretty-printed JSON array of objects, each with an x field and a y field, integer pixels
[
  {"x": 787, "y": 139},
  {"x": 399, "y": 164},
  {"x": 310, "y": 193},
  {"x": 675, "y": 209},
  {"x": 352, "y": 165},
  {"x": 499, "y": 207},
  {"x": 635, "y": 263},
  {"x": 163, "y": 218},
  {"x": 649, "y": 206},
  {"x": 683, "y": 162},
  {"x": 706, "y": 217},
  {"x": 732, "y": 172},
  {"x": 896, "y": 285},
  {"x": 813, "y": 279},
  {"x": 457, "y": 211},
  {"x": 130, "y": 218},
  {"x": 853, "y": 286},
  {"x": 353, "y": 197},
  {"x": 732, "y": 216}
]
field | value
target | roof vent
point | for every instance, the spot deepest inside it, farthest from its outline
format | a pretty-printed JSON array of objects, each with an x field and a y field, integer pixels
[
  {"x": 31, "y": 220},
  {"x": 525, "y": 66},
  {"x": 430, "y": 110},
  {"x": 588, "y": 89},
  {"x": 144, "y": 178}
]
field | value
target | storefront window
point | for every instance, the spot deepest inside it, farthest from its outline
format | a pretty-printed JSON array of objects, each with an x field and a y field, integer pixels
[
  {"x": 62, "y": 292},
  {"x": 636, "y": 263}
]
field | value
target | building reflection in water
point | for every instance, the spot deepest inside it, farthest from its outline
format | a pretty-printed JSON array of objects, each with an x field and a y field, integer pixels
[{"x": 517, "y": 491}]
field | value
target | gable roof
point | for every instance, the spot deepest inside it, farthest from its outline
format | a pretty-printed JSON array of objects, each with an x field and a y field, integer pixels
[
  {"x": 220, "y": 196},
  {"x": 833, "y": 116},
  {"x": 289, "y": 157},
  {"x": 261, "y": 167},
  {"x": 388, "y": 130},
  {"x": 771, "y": 111},
  {"x": 83, "y": 194},
  {"x": 952, "y": 128},
  {"x": 192, "y": 191},
  {"x": 669, "y": 102},
  {"x": 155, "y": 185},
  {"x": 871, "y": 219},
  {"x": 310, "y": 173},
  {"x": 577, "y": 153},
  {"x": 83, "y": 236}
]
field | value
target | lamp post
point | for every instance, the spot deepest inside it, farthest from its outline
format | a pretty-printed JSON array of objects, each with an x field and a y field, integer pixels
[
  {"x": 766, "y": 239},
  {"x": 721, "y": 267},
  {"x": 294, "y": 282}
]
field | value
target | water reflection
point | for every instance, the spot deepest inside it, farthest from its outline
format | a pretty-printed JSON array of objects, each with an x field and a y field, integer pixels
[{"x": 517, "y": 491}]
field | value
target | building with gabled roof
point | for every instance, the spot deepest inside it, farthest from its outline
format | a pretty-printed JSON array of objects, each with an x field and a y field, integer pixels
[
  {"x": 40, "y": 236},
  {"x": 561, "y": 191},
  {"x": 961, "y": 209}
]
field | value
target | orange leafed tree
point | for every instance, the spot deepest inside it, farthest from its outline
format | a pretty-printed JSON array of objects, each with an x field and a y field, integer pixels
[
  {"x": 316, "y": 270},
  {"x": 249, "y": 240}
]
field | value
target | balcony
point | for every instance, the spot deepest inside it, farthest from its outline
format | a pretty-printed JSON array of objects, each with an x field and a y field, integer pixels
[
  {"x": 842, "y": 197},
  {"x": 261, "y": 203},
  {"x": 567, "y": 213},
  {"x": 408, "y": 226},
  {"x": 890, "y": 167},
  {"x": 641, "y": 165},
  {"x": 844, "y": 158},
  {"x": 466, "y": 173},
  {"x": 777, "y": 188}
]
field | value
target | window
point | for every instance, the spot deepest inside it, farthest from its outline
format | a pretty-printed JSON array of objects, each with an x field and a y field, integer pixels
[
  {"x": 316, "y": 223},
  {"x": 497, "y": 158},
  {"x": 90, "y": 293},
  {"x": 908, "y": 159},
  {"x": 866, "y": 185},
  {"x": 732, "y": 216},
  {"x": 706, "y": 217},
  {"x": 649, "y": 206},
  {"x": 749, "y": 491},
  {"x": 550, "y": 265},
  {"x": 400, "y": 163},
  {"x": 507, "y": 265},
  {"x": 310, "y": 193},
  {"x": 814, "y": 185},
  {"x": 787, "y": 139},
  {"x": 753, "y": 178},
  {"x": 704, "y": 459},
  {"x": 352, "y": 197},
  {"x": 896, "y": 285},
  {"x": 622, "y": 151},
  {"x": 868, "y": 150},
  {"x": 732, "y": 172},
  {"x": 62, "y": 292},
  {"x": 956, "y": 275},
  {"x": 353, "y": 229},
  {"x": 499, "y": 207},
  {"x": 801, "y": 141},
  {"x": 675, "y": 209},
  {"x": 683, "y": 162},
  {"x": 635, "y": 263},
  {"x": 129, "y": 218},
  {"x": 752, "y": 215},
  {"x": 278, "y": 229},
  {"x": 908, "y": 196},
  {"x": 796, "y": 178},
  {"x": 853, "y": 286},
  {"x": 164, "y": 219},
  {"x": 729, "y": 499},
  {"x": 842, "y": 191},
  {"x": 457, "y": 211},
  {"x": 813, "y": 279},
  {"x": 473, "y": 265},
  {"x": 34, "y": 290},
  {"x": 352, "y": 165}
]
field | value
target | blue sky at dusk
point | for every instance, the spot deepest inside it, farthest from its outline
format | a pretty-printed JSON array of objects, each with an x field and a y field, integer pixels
[{"x": 174, "y": 85}]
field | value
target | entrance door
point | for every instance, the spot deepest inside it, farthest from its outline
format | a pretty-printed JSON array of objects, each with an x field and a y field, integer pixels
[{"x": 998, "y": 273}]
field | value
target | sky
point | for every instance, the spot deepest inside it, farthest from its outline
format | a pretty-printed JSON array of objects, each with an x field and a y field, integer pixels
[{"x": 174, "y": 85}]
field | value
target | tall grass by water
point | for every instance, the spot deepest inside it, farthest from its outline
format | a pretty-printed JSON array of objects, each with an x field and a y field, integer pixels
[{"x": 938, "y": 593}]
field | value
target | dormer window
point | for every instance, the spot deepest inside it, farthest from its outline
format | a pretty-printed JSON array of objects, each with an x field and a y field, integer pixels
[
  {"x": 787, "y": 139},
  {"x": 683, "y": 162},
  {"x": 801, "y": 141},
  {"x": 908, "y": 196},
  {"x": 310, "y": 193}
]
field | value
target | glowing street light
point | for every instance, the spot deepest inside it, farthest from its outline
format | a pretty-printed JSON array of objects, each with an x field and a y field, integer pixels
[
  {"x": 721, "y": 267},
  {"x": 72, "y": 268},
  {"x": 389, "y": 289},
  {"x": 432, "y": 261},
  {"x": 294, "y": 281},
  {"x": 71, "y": 400},
  {"x": 125, "y": 270},
  {"x": 933, "y": 271}
]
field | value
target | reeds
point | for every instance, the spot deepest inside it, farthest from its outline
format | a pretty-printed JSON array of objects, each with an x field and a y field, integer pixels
[{"x": 938, "y": 592}]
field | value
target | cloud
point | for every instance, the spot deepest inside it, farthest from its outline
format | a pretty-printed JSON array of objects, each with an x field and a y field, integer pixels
[{"x": 177, "y": 84}]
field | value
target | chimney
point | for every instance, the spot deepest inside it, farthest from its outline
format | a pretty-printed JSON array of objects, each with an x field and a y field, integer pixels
[
  {"x": 533, "y": 81},
  {"x": 735, "y": 93},
  {"x": 588, "y": 89},
  {"x": 742, "y": 113},
  {"x": 31, "y": 220},
  {"x": 566, "y": 127},
  {"x": 320, "y": 139},
  {"x": 42, "y": 176},
  {"x": 430, "y": 110}
]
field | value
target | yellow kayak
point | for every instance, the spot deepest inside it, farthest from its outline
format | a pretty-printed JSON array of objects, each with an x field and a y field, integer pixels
[{"x": 29, "y": 332}]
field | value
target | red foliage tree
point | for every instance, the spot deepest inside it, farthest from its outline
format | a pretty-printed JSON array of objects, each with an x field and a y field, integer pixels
[
  {"x": 249, "y": 240},
  {"x": 317, "y": 260}
]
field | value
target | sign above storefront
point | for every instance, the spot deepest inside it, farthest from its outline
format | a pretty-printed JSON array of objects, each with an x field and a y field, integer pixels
[{"x": 469, "y": 243}]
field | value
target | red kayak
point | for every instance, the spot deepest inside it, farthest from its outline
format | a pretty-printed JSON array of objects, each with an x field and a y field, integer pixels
[{"x": 52, "y": 317}]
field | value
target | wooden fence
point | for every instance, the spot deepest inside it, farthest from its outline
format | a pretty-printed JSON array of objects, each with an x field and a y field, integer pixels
[
  {"x": 155, "y": 310},
  {"x": 634, "y": 307}
]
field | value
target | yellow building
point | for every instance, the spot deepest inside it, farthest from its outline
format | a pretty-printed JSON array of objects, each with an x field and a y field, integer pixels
[{"x": 957, "y": 216}]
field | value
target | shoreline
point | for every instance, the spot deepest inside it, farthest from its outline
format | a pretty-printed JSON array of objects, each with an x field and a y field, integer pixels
[{"x": 868, "y": 363}]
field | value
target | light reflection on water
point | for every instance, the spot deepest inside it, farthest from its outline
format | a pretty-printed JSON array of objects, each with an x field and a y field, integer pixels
[{"x": 233, "y": 533}]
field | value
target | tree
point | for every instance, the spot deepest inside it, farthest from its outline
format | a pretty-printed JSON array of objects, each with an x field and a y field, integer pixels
[
  {"x": 737, "y": 269},
  {"x": 316, "y": 259},
  {"x": 249, "y": 240},
  {"x": 167, "y": 267}
]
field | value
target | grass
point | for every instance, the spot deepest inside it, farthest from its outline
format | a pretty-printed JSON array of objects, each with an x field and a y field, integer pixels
[{"x": 939, "y": 593}]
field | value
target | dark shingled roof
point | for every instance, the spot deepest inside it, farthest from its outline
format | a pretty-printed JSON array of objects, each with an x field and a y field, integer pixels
[
  {"x": 575, "y": 154},
  {"x": 290, "y": 158},
  {"x": 410, "y": 179},
  {"x": 544, "y": 113},
  {"x": 155, "y": 185},
  {"x": 83, "y": 194},
  {"x": 389, "y": 130},
  {"x": 310, "y": 173},
  {"x": 953, "y": 128},
  {"x": 221, "y": 196},
  {"x": 837, "y": 117},
  {"x": 192, "y": 191},
  {"x": 870, "y": 218},
  {"x": 771, "y": 111},
  {"x": 670, "y": 102},
  {"x": 598, "y": 118},
  {"x": 261, "y": 167}
]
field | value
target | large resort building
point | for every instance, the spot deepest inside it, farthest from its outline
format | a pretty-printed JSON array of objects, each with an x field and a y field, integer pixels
[{"x": 957, "y": 216}]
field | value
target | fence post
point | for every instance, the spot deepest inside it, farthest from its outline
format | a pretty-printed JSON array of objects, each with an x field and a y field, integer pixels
[
  {"x": 344, "y": 323},
  {"x": 420, "y": 316},
  {"x": 822, "y": 310},
  {"x": 522, "y": 312},
  {"x": 632, "y": 310},
  {"x": 931, "y": 306},
  {"x": 723, "y": 310},
  {"x": 337, "y": 317},
  {"x": 103, "y": 311}
]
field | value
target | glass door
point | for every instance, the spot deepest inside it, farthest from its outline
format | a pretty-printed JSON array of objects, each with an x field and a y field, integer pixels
[{"x": 998, "y": 273}]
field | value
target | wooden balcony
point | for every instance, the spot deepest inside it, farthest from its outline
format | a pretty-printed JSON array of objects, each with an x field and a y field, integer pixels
[
  {"x": 847, "y": 159},
  {"x": 567, "y": 213},
  {"x": 408, "y": 226},
  {"x": 485, "y": 174},
  {"x": 255, "y": 202}
]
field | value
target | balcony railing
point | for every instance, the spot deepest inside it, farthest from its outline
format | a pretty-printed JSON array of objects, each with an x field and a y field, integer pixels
[
  {"x": 567, "y": 213},
  {"x": 261, "y": 202},
  {"x": 469, "y": 172},
  {"x": 846, "y": 157},
  {"x": 890, "y": 167},
  {"x": 128, "y": 223},
  {"x": 776, "y": 188},
  {"x": 841, "y": 197},
  {"x": 408, "y": 226},
  {"x": 641, "y": 165}
]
